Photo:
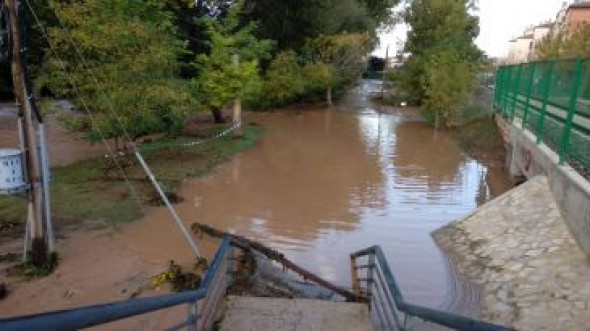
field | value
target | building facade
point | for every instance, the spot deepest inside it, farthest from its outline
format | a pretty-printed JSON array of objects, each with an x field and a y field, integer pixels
[{"x": 521, "y": 49}]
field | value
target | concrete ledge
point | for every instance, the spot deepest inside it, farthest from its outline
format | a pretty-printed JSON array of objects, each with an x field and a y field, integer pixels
[
  {"x": 570, "y": 190},
  {"x": 519, "y": 249}
]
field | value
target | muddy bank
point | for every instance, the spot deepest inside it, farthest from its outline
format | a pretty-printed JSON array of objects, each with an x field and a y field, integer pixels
[{"x": 86, "y": 185}]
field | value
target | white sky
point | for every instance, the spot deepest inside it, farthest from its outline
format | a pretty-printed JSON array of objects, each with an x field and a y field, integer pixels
[{"x": 500, "y": 21}]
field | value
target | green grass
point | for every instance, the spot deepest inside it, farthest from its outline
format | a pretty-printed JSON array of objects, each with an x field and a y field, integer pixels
[{"x": 86, "y": 191}]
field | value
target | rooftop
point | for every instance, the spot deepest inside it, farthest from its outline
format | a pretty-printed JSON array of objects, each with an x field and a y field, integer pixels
[
  {"x": 580, "y": 5},
  {"x": 546, "y": 25}
]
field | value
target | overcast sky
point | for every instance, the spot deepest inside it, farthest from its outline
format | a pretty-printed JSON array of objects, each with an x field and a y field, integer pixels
[{"x": 500, "y": 21}]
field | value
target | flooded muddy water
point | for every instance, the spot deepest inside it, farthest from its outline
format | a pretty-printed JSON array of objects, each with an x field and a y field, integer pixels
[{"x": 324, "y": 183}]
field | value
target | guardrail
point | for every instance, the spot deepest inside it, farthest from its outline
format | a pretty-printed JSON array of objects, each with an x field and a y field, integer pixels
[
  {"x": 386, "y": 300},
  {"x": 391, "y": 311},
  {"x": 552, "y": 100},
  {"x": 203, "y": 304}
]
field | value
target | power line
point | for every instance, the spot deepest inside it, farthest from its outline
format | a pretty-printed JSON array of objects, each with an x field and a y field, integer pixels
[
  {"x": 83, "y": 103},
  {"x": 136, "y": 150}
]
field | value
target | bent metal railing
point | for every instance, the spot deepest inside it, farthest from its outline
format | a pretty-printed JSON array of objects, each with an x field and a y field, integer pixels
[
  {"x": 386, "y": 301},
  {"x": 387, "y": 304},
  {"x": 203, "y": 304}
]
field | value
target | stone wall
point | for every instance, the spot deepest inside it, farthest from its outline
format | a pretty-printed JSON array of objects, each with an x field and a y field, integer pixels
[
  {"x": 518, "y": 249},
  {"x": 570, "y": 190}
]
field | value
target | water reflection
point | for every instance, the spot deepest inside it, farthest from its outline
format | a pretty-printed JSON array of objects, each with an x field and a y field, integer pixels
[{"x": 324, "y": 183}]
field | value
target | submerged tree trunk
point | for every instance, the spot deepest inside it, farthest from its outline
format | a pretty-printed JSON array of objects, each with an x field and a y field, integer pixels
[
  {"x": 217, "y": 115},
  {"x": 436, "y": 121},
  {"x": 237, "y": 118},
  {"x": 329, "y": 96}
]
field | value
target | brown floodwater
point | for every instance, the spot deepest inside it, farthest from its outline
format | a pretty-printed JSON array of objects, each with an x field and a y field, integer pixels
[{"x": 324, "y": 183}]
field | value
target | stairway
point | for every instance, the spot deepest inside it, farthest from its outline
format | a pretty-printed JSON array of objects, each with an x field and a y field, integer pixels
[{"x": 259, "y": 314}]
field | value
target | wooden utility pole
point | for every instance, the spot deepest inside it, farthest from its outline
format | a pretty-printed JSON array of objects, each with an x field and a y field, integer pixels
[
  {"x": 38, "y": 243},
  {"x": 237, "y": 116}
]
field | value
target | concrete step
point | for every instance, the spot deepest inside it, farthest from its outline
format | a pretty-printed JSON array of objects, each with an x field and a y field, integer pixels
[{"x": 260, "y": 314}]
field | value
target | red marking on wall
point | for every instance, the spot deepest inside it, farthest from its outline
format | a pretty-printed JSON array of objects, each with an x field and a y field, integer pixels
[{"x": 527, "y": 160}]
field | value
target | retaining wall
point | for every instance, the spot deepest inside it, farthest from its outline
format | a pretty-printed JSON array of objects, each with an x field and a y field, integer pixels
[{"x": 526, "y": 158}]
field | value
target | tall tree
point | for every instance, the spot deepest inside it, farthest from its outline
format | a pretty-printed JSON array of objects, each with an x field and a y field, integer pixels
[
  {"x": 559, "y": 45},
  {"x": 441, "y": 44},
  {"x": 130, "y": 67},
  {"x": 339, "y": 58},
  {"x": 221, "y": 79}
]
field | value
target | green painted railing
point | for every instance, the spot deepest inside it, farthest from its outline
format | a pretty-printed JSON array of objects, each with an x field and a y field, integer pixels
[{"x": 552, "y": 100}]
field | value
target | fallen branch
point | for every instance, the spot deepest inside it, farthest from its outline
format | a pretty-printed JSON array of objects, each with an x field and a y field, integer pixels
[{"x": 280, "y": 258}]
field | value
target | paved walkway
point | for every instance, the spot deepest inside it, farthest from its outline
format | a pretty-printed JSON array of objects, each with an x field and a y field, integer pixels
[
  {"x": 518, "y": 248},
  {"x": 261, "y": 314}
]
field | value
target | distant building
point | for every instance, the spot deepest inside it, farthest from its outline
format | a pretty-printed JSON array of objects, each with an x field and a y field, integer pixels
[
  {"x": 561, "y": 20},
  {"x": 521, "y": 49},
  {"x": 578, "y": 15},
  {"x": 571, "y": 17}
]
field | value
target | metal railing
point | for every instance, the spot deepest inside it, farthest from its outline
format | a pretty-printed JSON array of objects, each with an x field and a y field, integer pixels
[
  {"x": 203, "y": 304},
  {"x": 373, "y": 277},
  {"x": 552, "y": 100},
  {"x": 386, "y": 301}
]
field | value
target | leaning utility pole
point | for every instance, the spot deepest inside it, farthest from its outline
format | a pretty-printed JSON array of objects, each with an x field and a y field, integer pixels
[{"x": 35, "y": 158}]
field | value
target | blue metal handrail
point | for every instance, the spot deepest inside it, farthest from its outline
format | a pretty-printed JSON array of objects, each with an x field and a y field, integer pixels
[
  {"x": 85, "y": 317},
  {"x": 450, "y": 320}
]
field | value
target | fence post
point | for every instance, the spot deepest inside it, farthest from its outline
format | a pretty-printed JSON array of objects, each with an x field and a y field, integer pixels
[
  {"x": 507, "y": 90},
  {"x": 503, "y": 90},
  {"x": 501, "y": 86},
  {"x": 546, "y": 92},
  {"x": 529, "y": 93},
  {"x": 370, "y": 274},
  {"x": 509, "y": 84},
  {"x": 191, "y": 318},
  {"x": 567, "y": 130},
  {"x": 516, "y": 91},
  {"x": 496, "y": 87}
]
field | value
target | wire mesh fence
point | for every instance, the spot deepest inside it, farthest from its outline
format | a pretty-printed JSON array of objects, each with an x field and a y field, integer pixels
[{"x": 552, "y": 100}]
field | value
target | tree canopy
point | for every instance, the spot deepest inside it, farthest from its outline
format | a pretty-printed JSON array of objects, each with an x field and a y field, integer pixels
[
  {"x": 443, "y": 57},
  {"x": 153, "y": 63},
  {"x": 121, "y": 57},
  {"x": 559, "y": 45},
  {"x": 231, "y": 68},
  {"x": 291, "y": 22}
]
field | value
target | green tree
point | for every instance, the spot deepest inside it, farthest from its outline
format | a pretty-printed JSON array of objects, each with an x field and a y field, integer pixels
[
  {"x": 448, "y": 82},
  {"x": 292, "y": 22},
  {"x": 560, "y": 45},
  {"x": 321, "y": 77},
  {"x": 338, "y": 59},
  {"x": 130, "y": 67},
  {"x": 222, "y": 79},
  {"x": 284, "y": 81},
  {"x": 441, "y": 46},
  {"x": 345, "y": 52}
]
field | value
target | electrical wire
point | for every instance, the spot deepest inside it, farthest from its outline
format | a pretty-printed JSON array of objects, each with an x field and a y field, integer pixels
[{"x": 85, "y": 107}]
